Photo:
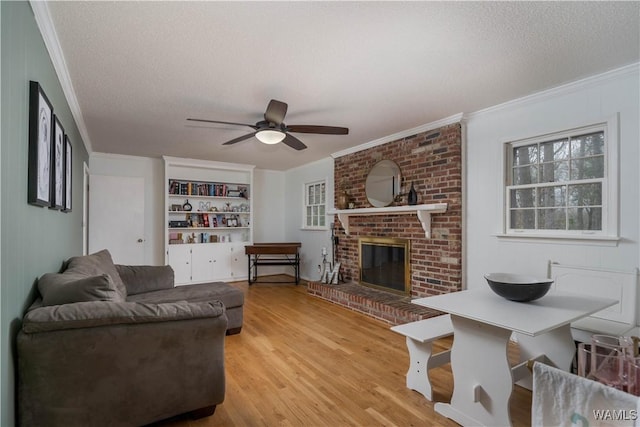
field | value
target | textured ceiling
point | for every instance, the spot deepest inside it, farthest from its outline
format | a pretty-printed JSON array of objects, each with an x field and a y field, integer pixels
[{"x": 139, "y": 69}]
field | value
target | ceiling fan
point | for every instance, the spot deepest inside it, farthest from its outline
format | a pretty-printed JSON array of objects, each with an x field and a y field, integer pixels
[{"x": 272, "y": 129}]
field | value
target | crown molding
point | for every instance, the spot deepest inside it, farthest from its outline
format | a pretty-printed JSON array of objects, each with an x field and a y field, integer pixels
[
  {"x": 456, "y": 118},
  {"x": 560, "y": 90},
  {"x": 47, "y": 30}
]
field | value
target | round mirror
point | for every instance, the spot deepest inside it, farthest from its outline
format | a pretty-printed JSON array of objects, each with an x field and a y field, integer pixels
[{"x": 383, "y": 183}]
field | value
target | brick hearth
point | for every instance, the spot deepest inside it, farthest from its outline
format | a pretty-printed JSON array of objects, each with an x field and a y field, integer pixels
[{"x": 386, "y": 306}]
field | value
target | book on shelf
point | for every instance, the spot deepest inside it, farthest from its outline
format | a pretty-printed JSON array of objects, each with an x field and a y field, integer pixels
[{"x": 213, "y": 189}]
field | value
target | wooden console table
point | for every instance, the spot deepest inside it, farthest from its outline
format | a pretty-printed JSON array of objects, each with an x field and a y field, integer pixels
[{"x": 272, "y": 254}]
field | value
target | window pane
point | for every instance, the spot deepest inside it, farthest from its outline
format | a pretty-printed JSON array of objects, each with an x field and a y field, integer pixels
[
  {"x": 552, "y": 219},
  {"x": 523, "y": 198},
  {"x": 321, "y": 210},
  {"x": 321, "y": 220},
  {"x": 587, "y": 168},
  {"x": 554, "y": 150},
  {"x": 558, "y": 183},
  {"x": 552, "y": 196},
  {"x": 525, "y": 155},
  {"x": 585, "y": 218},
  {"x": 523, "y": 219},
  {"x": 554, "y": 172},
  {"x": 308, "y": 216},
  {"x": 525, "y": 175},
  {"x": 322, "y": 194},
  {"x": 309, "y": 194},
  {"x": 587, "y": 145},
  {"x": 585, "y": 194}
]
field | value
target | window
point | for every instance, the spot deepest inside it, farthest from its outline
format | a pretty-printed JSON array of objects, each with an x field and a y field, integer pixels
[
  {"x": 314, "y": 205},
  {"x": 559, "y": 184}
]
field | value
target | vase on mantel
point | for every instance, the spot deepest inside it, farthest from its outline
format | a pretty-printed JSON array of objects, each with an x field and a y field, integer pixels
[
  {"x": 412, "y": 197},
  {"x": 343, "y": 200}
]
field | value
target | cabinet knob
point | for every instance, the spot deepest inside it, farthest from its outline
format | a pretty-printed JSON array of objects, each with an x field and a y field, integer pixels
[{"x": 140, "y": 240}]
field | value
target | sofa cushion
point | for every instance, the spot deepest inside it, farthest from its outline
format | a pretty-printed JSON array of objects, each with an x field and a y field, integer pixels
[
  {"x": 145, "y": 278},
  {"x": 57, "y": 289},
  {"x": 97, "y": 264},
  {"x": 230, "y": 296}
]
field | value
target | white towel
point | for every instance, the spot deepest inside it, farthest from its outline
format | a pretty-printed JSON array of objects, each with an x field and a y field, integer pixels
[{"x": 564, "y": 399}]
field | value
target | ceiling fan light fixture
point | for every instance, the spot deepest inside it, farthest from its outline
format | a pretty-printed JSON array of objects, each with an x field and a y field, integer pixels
[{"x": 270, "y": 136}]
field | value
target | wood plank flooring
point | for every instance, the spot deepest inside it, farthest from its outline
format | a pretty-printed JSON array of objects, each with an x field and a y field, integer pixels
[{"x": 303, "y": 361}]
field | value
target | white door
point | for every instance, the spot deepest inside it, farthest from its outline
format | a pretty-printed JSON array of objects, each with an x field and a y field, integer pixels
[
  {"x": 116, "y": 217},
  {"x": 180, "y": 260}
]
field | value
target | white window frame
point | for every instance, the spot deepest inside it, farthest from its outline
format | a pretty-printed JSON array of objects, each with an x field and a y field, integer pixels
[
  {"x": 609, "y": 231},
  {"x": 306, "y": 204}
]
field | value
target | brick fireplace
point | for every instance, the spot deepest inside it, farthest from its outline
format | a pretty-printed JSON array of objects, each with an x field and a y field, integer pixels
[{"x": 432, "y": 161}]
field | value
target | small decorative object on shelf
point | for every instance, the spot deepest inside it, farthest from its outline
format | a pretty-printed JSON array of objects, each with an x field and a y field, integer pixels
[
  {"x": 343, "y": 199},
  {"x": 187, "y": 206},
  {"x": 412, "y": 198}
]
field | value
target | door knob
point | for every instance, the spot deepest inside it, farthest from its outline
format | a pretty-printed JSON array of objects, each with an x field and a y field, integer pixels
[{"x": 140, "y": 240}]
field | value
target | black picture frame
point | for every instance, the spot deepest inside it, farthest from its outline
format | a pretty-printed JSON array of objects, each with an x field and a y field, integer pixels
[
  {"x": 40, "y": 146},
  {"x": 68, "y": 177},
  {"x": 58, "y": 165}
]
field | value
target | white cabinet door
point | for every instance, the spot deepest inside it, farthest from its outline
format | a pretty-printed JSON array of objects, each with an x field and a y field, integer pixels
[
  {"x": 202, "y": 267},
  {"x": 238, "y": 262},
  {"x": 221, "y": 259},
  {"x": 180, "y": 261}
]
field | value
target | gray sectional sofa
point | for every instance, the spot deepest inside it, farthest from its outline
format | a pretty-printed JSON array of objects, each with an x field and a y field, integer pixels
[{"x": 116, "y": 345}]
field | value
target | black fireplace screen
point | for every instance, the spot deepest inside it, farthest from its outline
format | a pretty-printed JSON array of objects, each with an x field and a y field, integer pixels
[{"x": 384, "y": 264}]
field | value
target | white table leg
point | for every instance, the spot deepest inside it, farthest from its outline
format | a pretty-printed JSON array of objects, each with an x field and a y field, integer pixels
[
  {"x": 482, "y": 381},
  {"x": 557, "y": 345},
  {"x": 418, "y": 373}
]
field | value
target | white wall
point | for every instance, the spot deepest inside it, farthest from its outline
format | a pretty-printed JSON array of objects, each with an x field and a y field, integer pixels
[
  {"x": 152, "y": 170},
  {"x": 588, "y": 101},
  {"x": 268, "y": 203},
  {"x": 312, "y": 240},
  {"x": 269, "y": 215}
]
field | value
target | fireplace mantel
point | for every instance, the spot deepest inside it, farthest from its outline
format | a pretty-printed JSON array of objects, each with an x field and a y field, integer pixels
[{"x": 423, "y": 211}]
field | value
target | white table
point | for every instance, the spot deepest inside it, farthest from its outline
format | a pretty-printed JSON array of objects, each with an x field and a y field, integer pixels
[{"x": 482, "y": 325}]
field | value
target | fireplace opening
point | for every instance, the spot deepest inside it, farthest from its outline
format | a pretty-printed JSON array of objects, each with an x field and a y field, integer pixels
[{"x": 384, "y": 264}]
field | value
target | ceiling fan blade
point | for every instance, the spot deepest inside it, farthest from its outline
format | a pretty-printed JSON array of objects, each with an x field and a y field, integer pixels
[
  {"x": 325, "y": 130},
  {"x": 294, "y": 142},
  {"x": 224, "y": 123},
  {"x": 240, "y": 138},
  {"x": 276, "y": 110}
]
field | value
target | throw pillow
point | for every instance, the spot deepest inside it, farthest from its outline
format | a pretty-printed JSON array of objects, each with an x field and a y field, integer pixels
[
  {"x": 57, "y": 289},
  {"x": 95, "y": 265}
]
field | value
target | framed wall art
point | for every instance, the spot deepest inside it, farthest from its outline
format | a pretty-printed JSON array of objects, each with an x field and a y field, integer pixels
[
  {"x": 40, "y": 142},
  {"x": 67, "y": 174},
  {"x": 57, "y": 165}
]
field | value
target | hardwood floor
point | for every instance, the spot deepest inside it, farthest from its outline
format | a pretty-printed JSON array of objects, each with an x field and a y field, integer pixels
[{"x": 302, "y": 361}]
